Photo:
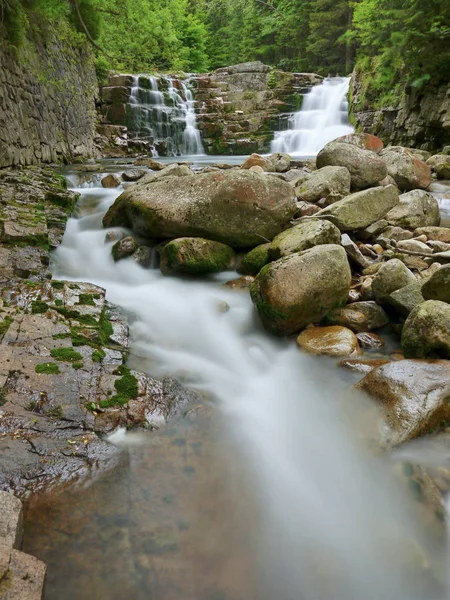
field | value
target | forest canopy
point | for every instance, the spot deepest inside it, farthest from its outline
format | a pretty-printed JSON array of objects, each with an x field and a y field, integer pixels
[{"x": 397, "y": 41}]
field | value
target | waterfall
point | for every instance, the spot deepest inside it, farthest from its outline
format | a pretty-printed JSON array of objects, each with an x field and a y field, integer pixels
[
  {"x": 161, "y": 111},
  {"x": 322, "y": 118}
]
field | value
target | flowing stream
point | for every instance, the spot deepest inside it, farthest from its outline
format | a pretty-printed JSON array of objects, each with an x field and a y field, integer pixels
[
  {"x": 322, "y": 118},
  {"x": 274, "y": 495}
]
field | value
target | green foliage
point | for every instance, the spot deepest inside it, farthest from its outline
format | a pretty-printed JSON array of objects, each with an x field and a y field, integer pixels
[
  {"x": 66, "y": 355},
  {"x": 48, "y": 368}
]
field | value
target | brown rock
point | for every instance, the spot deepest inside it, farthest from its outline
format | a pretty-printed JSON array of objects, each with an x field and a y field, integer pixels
[
  {"x": 243, "y": 283},
  {"x": 362, "y": 365},
  {"x": 369, "y": 341},
  {"x": 331, "y": 341},
  {"x": 110, "y": 181}
]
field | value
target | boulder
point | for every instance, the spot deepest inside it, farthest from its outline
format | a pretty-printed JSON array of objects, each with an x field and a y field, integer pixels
[
  {"x": 408, "y": 171},
  {"x": 438, "y": 286},
  {"x": 426, "y": 332},
  {"x": 256, "y": 160},
  {"x": 407, "y": 298},
  {"x": 110, "y": 181},
  {"x": 329, "y": 183},
  {"x": 133, "y": 174},
  {"x": 359, "y": 316},
  {"x": 278, "y": 162},
  {"x": 361, "y": 209},
  {"x": 195, "y": 256},
  {"x": 234, "y": 207},
  {"x": 330, "y": 341},
  {"x": 414, "y": 246},
  {"x": 440, "y": 163},
  {"x": 123, "y": 248},
  {"x": 416, "y": 209},
  {"x": 365, "y": 141},
  {"x": 365, "y": 167},
  {"x": 173, "y": 170},
  {"x": 301, "y": 288},
  {"x": 307, "y": 234},
  {"x": 254, "y": 261},
  {"x": 413, "y": 395},
  {"x": 392, "y": 275}
]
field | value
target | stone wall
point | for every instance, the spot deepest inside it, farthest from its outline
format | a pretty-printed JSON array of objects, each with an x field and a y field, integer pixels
[
  {"x": 420, "y": 118},
  {"x": 47, "y": 103}
]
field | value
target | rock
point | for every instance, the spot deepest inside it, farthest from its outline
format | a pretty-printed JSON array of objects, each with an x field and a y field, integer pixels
[
  {"x": 392, "y": 276},
  {"x": 243, "y": 283},
  {"x": 195, "y": 256},
  {"x": 307, "y": 234},
  {"x": 305, "y": 209},
  {"x": 372, "y": 231},
  {"x": 438, "y": 246},
  {"x": 359, "y": 316},
  {"x": 301, "y": 288},
  {"x": 414, "y": 246},
  {"x": 369, "y": 341},
  {"x": 365, "y": 167},
  {"x": 294, "y": 176},
  {"x": 133, "y": 175},
  {"x": 143, "y": 257},
  {"x": 110, "y": 181},
  {"x": 256, "y": 160},
  {"x": 25, "y": 579},
  {"x": 150, "y": 163},
  {"x": 254, "y": 261},
  {"x": 353, "y": 252},
  {"x": 413, "y": 395},
  {"x": 365, "y": 141},
  {"x": 426, "y": 332},
  {"x": 408, "y": 171},
  {"x": 256, "y": 169},
  {"x": 278, "y": 162},
  {"x": 235, "y": 207},
  {"x": 173, "y": 170},
  {"x": 440, "y": 163},
  {"x": 331, "y": 341},
  {"x": 330, "y": 183},
  {"x": 438, "y": 286},
  {"x": 366, "y": 290},
  {"x": 114, "y": 236},
  {"x": 360, "y": 365},
  {"x": 361, "y": 209},
  {"x": 415, "y": 210},
  {"x": 407, "y": 298},
  {"x": 124, "y": 248},
  {"x": 11, "y": 520},
  {"x": 396, "y": 233},
  {"x": 440, "y": 234}
]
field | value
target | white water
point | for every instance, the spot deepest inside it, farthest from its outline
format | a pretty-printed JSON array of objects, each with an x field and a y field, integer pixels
[
  {"x": 334, "y": 522},
  {"x": 167, "y": 119},
  {"x": 322, "y": 118}
]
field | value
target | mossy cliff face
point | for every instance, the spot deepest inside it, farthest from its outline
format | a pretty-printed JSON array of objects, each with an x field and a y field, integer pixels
[
  {"x": 416, "y": 117},
  {"x": 47, "y": 98}
]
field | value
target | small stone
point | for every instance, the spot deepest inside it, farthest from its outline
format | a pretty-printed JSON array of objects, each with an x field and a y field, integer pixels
[
  {"x": 331, "y": 341},
  {"x": 362, "y": 365},
  {"x": 124, "y": 248},
  {"x": 110, "y": 181},
  {"x": 143, "y": 257},
  {"x": 133, "y": 175},
  {"x": 243, "y": 283},
  {"x": 354, "y": 252},
  {"x": 370, "y": 341},
  {"x": 359, "y": 316},
  {"x": 440, "y": 234}
]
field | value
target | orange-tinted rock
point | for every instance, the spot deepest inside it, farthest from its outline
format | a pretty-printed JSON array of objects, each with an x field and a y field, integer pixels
[
  {"x": 366, "y": 141},
  {"x": 330, "y": 341},
  {"x": 369, "y": 340},
  {"x": 110, "y": 181},
  {"x": 243, "y": 283}
]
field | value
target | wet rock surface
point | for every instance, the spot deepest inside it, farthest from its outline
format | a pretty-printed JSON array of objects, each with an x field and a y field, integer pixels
[{"x": 331, "y": 341}]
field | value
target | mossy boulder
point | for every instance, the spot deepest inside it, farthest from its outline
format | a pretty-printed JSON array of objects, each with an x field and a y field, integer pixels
[
  {"x": 303, "y": 236},
  {"x": 426, "y": 332},
  {"x": 440, "y": 163},
  {"x": 235, "y": 207},
  {"x": 124, "y": 248},
  {"x": 391, "y": 276},
  {"x": 438, "y": 286},
  {"x": 301, "y": 288},
  {"x": 414, "y": 210},
  {"x": 255, "y": 260},
  {"x": 329, "y": 183},
  {"x": 361, "y": 209},
  {"x": 195, "y": 256},
  {"x": 407, "y": 170},
  {"x": 365, "y": 167}
]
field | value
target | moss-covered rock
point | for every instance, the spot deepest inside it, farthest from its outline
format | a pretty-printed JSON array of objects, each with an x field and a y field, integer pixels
[
  {"x": 330, "y": 183},
  {"x": 426, "y": 332},
  {"x": 307, "y": 234},
  {"x": 407, "y": 170},
  {"x": 392, "y": 276},
  {"x": 195, "y": 256},
  {"x": 440, "y": 163},
  {"x": 415, "y": 209},
  {"x": 124, "y": 248},
  {"x": 255, "y": 260},
  {"x": 301, "y": 288},
  {"x": 438, "y": 286}
]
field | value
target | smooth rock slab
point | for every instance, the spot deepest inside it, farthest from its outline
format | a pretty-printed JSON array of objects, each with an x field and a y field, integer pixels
[
  {"x": 301, "y": 288},
  {"x": 361, "y": 209},
  {"x": 330, "y": 341},
  {"x": 238, "y": 208},
  {"x": 413, "y": 395}
]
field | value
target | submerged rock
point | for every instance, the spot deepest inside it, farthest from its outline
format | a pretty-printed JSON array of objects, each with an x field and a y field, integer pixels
[
  {"x": 307, "y": 234},
  {"x": 365, "y": 167},
  {"x": 361, "y": 209},
  {"x": 413, "y": 395},
  {"x": 234, "y": 207},
  {"x": 195, "y": 256},
  {"x": 331, "y": 341},
  {"x": 408, "y": 171},
  {"x": 415, "y": 209},
  {"x": 426, "y": 332},
  {"x": 301, "y": 288}
]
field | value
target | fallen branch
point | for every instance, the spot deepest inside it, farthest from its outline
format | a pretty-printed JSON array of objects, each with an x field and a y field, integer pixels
[{"x": 86, "y": 30}]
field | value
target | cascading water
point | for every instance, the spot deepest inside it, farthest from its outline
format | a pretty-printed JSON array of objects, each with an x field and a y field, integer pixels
[
  {"x": 162, "y": 112},
  {"x": 328, "y": 519},
  {"x": 322, "y": 118}
]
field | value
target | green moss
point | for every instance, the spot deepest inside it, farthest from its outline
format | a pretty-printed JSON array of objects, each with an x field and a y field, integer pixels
[
  {"x": 49, "y": 368},
  {"x": 39, "y": 307},
  {"x": 58, "y": 285},
  {"x": 58, "y": 302},
  {"x": 61, "y": 336},
  {"x": 98, "y": 356},
  {"x": 105, "y": 329},
  {"x": 57, "y": 412},
  {"x": 195, "y": 256},
  {"x": 87, "y": 299},
  {"x": 5, "y": 325},
  {"x": 117, "y": 400},
  {"x": 255, "y": 260},
  {"x": 127, "y": 384},
  {"x": 66, "y": 354},
  {"x": 78, "y": 365}
]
